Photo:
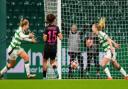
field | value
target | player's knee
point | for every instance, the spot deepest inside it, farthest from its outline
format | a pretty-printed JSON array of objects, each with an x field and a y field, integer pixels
[
  {"x": 23, "y": 55},
  {"x": 44, "y": 68},
  {"x": 44, "y": 60},
  {"x": 102, "y": 65},
  {"x": 113, "y": 63},
  {"x": 44, "y": 64},
  {"x": 11, "y": 65},
  {"x": 52, "y": 61},
  {"x": 26, "y": 57},
  {"x": 116, "y": 65}
]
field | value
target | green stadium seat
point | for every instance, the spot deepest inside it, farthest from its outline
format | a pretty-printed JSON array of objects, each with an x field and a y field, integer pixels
[{"x": 30, "y": 9}]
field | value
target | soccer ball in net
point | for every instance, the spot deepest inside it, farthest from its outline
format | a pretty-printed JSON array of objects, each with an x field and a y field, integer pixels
[{"x": 74, "y": 64}]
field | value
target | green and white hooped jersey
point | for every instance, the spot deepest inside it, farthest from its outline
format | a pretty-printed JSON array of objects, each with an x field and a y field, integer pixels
[
  {"x": 17, "y": 38},
  {"x": 103, "y": 40}
]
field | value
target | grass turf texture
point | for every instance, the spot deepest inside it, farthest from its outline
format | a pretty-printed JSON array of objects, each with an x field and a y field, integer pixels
[{"x": 63, "y": 84}]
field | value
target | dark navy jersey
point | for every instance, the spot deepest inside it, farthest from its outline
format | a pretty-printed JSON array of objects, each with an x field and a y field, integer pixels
[{"x": 52, "y": 32}]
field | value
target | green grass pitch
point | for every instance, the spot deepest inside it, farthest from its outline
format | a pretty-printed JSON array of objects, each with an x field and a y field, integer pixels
[{"x": 63, "y": 84}]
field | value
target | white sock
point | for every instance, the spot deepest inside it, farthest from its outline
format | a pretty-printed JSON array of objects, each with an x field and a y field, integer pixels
[
  {"x": 106, "y": 70},
  {"x": 27, "y": 67},
  {"x": 123, "y": 72},
  {"x": 4, "y": 70}
]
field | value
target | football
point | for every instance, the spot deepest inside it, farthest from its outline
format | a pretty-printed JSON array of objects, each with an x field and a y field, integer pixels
[{"x": 74, "y": 64}]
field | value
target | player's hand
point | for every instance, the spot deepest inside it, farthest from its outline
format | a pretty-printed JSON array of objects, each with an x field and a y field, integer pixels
[
  {"x": 112, "y": 49},
  {"x": 34, "y": 40},
  {"x": 117, "y": 45},
  {"x": 31, "y": 35}
]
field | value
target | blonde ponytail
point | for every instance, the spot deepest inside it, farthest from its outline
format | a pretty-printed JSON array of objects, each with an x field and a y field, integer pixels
[{"x": 101, "y": 24}]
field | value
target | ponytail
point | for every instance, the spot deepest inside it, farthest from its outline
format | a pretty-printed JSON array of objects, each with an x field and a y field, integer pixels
[{"x": 101, "y": 24}]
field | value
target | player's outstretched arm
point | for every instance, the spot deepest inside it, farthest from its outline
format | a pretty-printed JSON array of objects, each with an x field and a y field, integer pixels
[
  {"x": 33, "y": 40},
  {"x": 30, "y": 37},
  {"x": 116, "y": 45},
  {"x": 23, "y": 36}
]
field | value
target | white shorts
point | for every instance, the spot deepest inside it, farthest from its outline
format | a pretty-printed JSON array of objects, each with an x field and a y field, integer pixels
[
  {"x": 110, "y": 55},
  {"x": 13, "y": 53}
]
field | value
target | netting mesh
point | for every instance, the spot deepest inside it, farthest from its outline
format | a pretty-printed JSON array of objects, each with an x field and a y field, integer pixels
[
  {"x": 50, "y": 6},
  {"x": 83, "y": 13}
]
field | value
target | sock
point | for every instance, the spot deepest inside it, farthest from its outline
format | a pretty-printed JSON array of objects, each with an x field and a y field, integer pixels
[
  {"x": 106, "y": 70},
  {"x": 44, "y": 74},
  {"x": 123, "y": 72},
  {"x": 4, "y": 70},
  {"x": 27, "y": 67},
  {"x": 70, "y": 72},
  {"x": 55, "y": 70}
]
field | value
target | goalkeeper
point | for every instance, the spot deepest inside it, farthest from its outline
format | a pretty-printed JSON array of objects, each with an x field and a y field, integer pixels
[{"x": 92, "y": 44}]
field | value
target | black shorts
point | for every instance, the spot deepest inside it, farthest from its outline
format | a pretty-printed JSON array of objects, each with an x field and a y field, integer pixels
[{"x": 50, "y": 52}]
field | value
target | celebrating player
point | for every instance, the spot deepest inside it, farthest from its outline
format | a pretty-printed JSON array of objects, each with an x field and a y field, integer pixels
[
  {"x": 50, "y": 46},
  {"x": 109, "y": 47},
  {"x": 15, "y": 50}
]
